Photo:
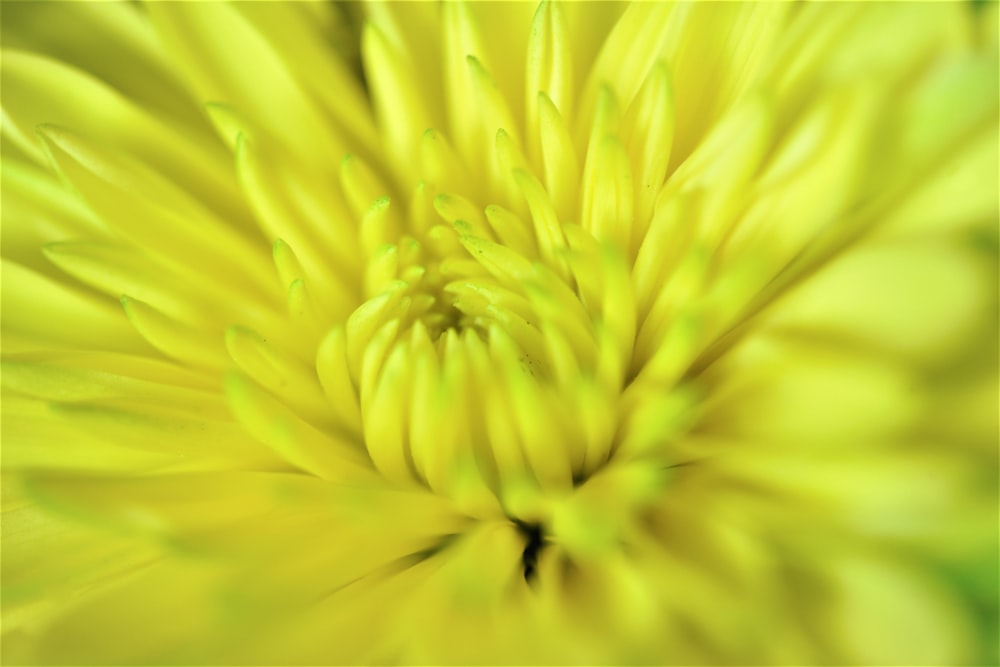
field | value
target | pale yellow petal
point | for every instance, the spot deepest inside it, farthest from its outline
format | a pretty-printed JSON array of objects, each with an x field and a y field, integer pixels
[{"x": 51, "y": 314}]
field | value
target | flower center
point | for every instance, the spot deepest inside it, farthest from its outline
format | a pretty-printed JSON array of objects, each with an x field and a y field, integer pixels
[
  {"x": 492, "y": 353},
  {"x": 484, "y": 363}
]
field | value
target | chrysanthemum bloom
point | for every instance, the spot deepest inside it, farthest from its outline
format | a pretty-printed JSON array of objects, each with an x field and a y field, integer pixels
[{"x": 499, "y": 333}]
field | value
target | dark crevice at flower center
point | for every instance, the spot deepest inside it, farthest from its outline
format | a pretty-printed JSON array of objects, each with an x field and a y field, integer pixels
[
  {"x": 534, "y": 542},
  {"x": 444, "y": 316}
]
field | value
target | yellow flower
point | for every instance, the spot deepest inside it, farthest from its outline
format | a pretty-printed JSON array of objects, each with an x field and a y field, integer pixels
[{"x": 499, "y": 333}]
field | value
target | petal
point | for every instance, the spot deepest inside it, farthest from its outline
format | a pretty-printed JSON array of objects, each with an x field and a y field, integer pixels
[
  {"x": 236, "y": 71},
  {"x": 39, "y": 209},
  {"x": 39, "y": 312},
  {"x": 298, "y": 36},
  {"x": 922, "y": 300},
  {"x": 549, "y": 72},
  {"x": 146, "y": 207},
  {"x": 52, "y": 93},
  {"x": 112, "y": 42},
  {"x": 49, "y": 564},
  {"x": 402, "y": 108},
  {"x": 289, "y": 436},
  {"x": 886, "y": 613}
]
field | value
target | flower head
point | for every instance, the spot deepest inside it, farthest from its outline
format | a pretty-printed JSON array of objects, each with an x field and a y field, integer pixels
[{"x": 496, "y": 332}]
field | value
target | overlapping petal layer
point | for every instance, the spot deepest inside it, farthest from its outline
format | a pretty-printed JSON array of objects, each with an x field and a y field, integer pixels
[{"x": 589, "y": 332}]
